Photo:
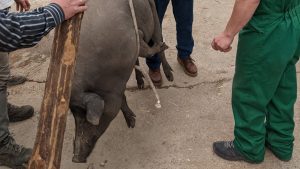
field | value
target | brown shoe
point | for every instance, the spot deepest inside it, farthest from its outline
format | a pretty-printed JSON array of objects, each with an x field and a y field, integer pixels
[
  {"x": 188, "y": 66},
  {"x": 155, "y": 76}
]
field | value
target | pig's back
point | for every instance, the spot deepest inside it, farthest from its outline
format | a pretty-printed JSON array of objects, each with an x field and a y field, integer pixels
[{"x": 107, "y": 49}]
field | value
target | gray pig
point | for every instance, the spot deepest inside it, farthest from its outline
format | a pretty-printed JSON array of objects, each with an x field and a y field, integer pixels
[{"x": 108, "y": 50}]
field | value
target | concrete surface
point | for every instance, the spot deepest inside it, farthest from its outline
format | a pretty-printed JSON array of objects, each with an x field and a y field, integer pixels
[{"x": 195, "y": 112}]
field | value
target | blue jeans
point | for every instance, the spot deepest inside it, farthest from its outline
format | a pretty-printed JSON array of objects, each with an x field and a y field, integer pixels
[{"x": 183, "y": 13}]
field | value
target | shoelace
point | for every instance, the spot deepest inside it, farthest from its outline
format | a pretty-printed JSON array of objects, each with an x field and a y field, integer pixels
[{"x": 229, "y": 144}]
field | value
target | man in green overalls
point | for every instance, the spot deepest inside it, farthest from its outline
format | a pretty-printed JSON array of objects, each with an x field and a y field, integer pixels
[{"x": 264, "y": 87}]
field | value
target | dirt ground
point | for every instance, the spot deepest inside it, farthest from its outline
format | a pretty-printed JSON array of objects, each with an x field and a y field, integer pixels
[{"x": 195, "y": 112}]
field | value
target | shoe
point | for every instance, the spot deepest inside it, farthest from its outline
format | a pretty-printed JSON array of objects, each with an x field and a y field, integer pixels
[
  {"x": 188, "y": 66},
  {"x": 226, "y": 150},
  {"x": 16, "y": 80},
  {"x": 268, "y": 146},
  {"x": 16, "y": 113},
  {"x": 156, "y": 77},
  {"x": 12, "y": 154}
]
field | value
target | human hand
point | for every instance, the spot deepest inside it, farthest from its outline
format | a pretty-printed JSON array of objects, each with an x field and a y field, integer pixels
[
  {"x": 71, "y": 7},
  {"x": 222, "y": 42},
  {"x": 22, "y": 5}
]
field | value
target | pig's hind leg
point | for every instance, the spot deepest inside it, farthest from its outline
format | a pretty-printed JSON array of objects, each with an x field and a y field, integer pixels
[
  {"x": 146, "y": 51},
  {"x": 128, "y": 113},
  {"x": 139, "y": 75}
]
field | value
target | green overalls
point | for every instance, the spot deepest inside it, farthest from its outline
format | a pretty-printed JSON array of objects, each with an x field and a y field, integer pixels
[{"x": 264, "y": 87}]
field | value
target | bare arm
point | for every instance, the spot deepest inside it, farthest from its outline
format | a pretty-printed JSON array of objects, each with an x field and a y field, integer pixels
[{"x": 242, "y": 12}]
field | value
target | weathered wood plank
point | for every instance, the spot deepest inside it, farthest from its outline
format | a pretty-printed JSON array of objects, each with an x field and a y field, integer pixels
[{"x": 53, "y": 113}]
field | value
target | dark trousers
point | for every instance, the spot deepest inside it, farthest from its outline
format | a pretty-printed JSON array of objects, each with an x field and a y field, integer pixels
[
  {"x": 4, "y": 75},
  {"x": 183, "y": 13}
]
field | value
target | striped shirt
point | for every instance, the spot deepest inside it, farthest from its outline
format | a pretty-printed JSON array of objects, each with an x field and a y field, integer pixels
[{"x": 23, "y": 30}]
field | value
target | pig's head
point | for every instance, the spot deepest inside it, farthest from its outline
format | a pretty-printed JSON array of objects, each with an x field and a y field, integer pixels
[{"x": 86, "y": 136}]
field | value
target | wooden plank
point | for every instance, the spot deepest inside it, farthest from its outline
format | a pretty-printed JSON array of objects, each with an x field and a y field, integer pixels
[{"x": 55, "y": 105}]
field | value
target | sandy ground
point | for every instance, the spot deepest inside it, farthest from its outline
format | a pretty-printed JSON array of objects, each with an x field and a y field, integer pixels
[{"x": 195, "y": 112}]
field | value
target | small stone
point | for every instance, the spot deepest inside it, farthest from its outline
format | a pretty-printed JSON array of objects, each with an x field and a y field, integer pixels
[
  {"x": 103, "y": 163},
  {"x": 91, "y": 166}
]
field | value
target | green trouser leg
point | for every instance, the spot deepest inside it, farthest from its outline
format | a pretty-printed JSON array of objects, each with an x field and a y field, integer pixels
[
  {"x": 263, "y": 60},
  {"x": 280, "y": 115}
]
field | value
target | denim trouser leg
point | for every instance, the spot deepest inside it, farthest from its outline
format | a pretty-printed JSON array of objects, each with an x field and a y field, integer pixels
[
  {"x": 183, "y": 13},
  {"x": 161, "y": 7},
  {"x": 4, "y": 74}
]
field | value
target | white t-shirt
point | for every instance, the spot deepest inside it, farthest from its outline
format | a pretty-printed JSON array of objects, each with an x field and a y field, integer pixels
[{"x": 5, "y": 4}]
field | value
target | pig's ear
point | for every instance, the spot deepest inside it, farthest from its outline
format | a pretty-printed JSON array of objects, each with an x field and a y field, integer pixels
[{"x": 95, "y": 106}]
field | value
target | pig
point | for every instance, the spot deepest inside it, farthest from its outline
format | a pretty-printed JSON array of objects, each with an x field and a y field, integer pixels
[{"x": 113, "y": 34}]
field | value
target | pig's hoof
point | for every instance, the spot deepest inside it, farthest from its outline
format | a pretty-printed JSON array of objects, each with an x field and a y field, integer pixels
[
  {"x": 141, "y": 84},
  {"x": 169, "y": 76},
  {"x": 78, "y": 159},
  {"x": 168, "y": 72},
  {"x": 130, "y": 119},
  {"x": 163, "y": 46}
]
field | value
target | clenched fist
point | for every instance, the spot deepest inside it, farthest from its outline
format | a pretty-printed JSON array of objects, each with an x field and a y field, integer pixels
[{"x": 222, "y": 42}]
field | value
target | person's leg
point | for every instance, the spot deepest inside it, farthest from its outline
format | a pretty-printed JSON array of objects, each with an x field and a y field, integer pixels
[
  {"x": 257, "y": 81},
  {"x": 11, "y": 154},
  {"x": 7, "y": 110},
  {"x": 262, "y": 59},
  {"x": 14, "y": 80},
  {"x": 161, "y": 6},
  {"x": 183, "y": 13},
  {"x": 4, "y": 75},
  {"x": 280, "y": 115}
]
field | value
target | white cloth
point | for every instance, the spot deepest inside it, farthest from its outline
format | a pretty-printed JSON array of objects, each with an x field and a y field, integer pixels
[{"x": 5, "y": 4}]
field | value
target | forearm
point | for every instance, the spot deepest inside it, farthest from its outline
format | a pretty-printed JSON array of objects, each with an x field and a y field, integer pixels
[
  {"x": 21, "y": 30},
  {"x": 242, "y": 12}
]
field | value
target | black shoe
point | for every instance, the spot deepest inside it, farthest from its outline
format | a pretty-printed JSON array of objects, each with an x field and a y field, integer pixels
[
  {"x": 16, "y": 80},
  {"x": 226, "y": 150},
  {"x": 16, "y": 113},
  {"x": 12, "y": 154}
]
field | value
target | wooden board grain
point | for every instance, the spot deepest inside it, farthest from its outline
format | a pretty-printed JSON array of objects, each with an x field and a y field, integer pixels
[{"x": 55, "y": 105}]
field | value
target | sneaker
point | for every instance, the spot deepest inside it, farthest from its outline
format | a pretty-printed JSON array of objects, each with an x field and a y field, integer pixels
[
  {"x": 16, "y": 80},
  {"x": 16, "y": 113},
  {"x": 13, "y": 155},
  {"x": 226, "y": 150},
  {"x": 188, "y": 66}
]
